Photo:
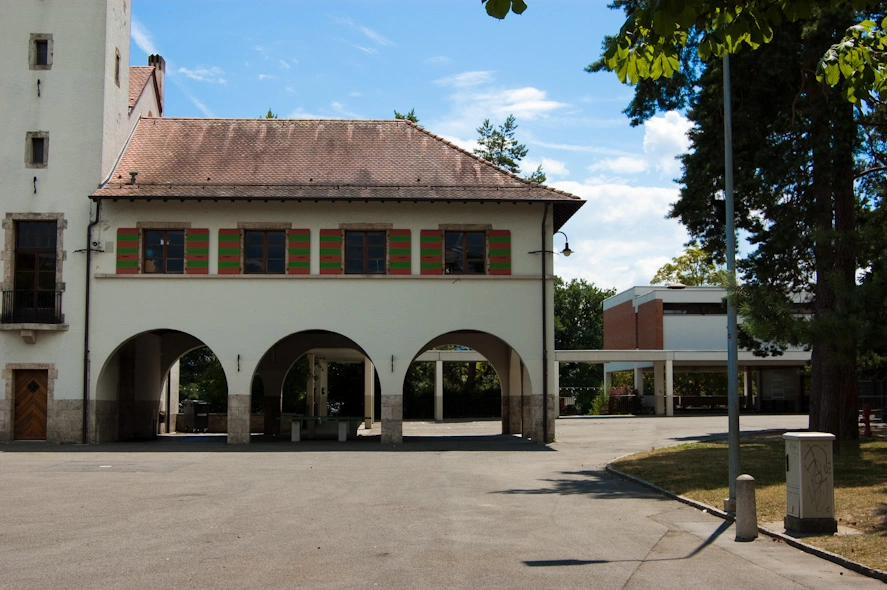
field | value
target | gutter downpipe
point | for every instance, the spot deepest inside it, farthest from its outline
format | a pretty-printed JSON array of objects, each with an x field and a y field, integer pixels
[
  {"x": 544, "y": 334},
  {"x": 92, "y": 224}
]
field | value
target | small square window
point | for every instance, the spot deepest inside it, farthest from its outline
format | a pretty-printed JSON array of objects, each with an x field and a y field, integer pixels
[
  {"x": 37, "y": 149},
  {"x": 40, "y": 51}
]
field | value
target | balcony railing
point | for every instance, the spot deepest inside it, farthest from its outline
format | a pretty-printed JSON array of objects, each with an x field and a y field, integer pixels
[{"x": 32, "y": 307}]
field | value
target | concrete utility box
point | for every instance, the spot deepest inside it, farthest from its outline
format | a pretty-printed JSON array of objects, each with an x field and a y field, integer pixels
[{"x": 809, "y": 483}]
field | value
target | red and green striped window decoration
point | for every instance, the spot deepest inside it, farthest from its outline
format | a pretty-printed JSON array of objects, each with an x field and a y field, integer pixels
[
  {"x": 431, "y": 252},
  {"x": 127, "y": 251},
  {"x": 499, "y": 248},
  {"x": 298, "y": 260},
  {"x": 399, "y": 252},
  {"x": 196, "y": 251},
  {"x": 330, "y": 251},
  {"x": 229, "y": 251}
]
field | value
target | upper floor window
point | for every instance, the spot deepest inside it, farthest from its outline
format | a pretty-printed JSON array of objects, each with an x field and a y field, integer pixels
[
  {"x": 465, "y": 252},
  {"x": 40, "y": 51},
  {"x": 264, "y": 252},
  {"x": 34, "y": 297},
  {"x": 164, "y": 251},
  {"x": 365, "y": 252},
  {"x": 36, "y": 149}
]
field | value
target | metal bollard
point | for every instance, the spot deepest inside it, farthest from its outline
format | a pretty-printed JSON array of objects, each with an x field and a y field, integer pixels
[{"x": 746, "y": 509}]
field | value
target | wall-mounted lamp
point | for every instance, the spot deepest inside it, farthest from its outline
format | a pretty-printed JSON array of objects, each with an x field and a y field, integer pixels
[{"x": 566, "y": 251}]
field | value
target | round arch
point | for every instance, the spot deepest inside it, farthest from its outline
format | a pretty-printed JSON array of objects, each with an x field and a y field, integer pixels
[
  {"x": 323, "y": 347},
  {"x": 514, "y": 378},
  {"x": 133, "y": 386}
]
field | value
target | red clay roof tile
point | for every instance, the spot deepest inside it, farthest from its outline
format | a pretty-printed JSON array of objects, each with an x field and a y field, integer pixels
[{"x": 311, "y": 159}]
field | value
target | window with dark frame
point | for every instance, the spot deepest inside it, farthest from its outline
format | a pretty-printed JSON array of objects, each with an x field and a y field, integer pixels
[
  {"x": 465, "y": 252},
  {"x": 163, "y": 251},
  {"x": 264, "y": 252},
  {"x": 40, "y": 51},
  {"x": 34, "y": 297},
  {"x": 36, "y": 149},
  {"x": 38, "y": 152},
  {"x": 365, "y": 252}
]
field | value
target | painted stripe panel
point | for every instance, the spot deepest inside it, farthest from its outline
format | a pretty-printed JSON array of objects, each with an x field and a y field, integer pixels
[
  {"x": 431, "y": 252},
  {"x": 229, "y": 251},
  {"x": 127, "y": 251},
  {"x": 499, "y": 246},
  {"x": 400, "y": 252},
  {"x": 298, "y": 251},
  {"x": 196, "y": 251},
  {"x": 330, "y": 251}
]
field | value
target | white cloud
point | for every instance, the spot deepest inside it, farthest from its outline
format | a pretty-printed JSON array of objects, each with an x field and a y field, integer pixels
[
  {"x": 142, "y": 38},
  {"x": 367, "y": 50},
  {"x": 466, "y": 79},
  {"x": 377, "y": 37},
  {"x": 339, "y": 108},
  {"x": 549, "y": 166},
  {"x": 267, "y": 77},
  {"x": 665, "y": 138},
  {"x": 194, "y": 100},
  {"x": 437, "y": 60},
  {"x": 212, "y": 75},
  {"x": 620, "y": 165},
  {"x": 284, "y": 65},
  {"x": 262, "y": 51},
  {"x": 621, "y": 236}
]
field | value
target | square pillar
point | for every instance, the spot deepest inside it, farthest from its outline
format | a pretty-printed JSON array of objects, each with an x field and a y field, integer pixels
[
  {"x": 238, "y": 419},
  {"x": 322, "y": 390},
  {"x": 639, "y": 380},
  {"x": 669, "y": 387},
  {"x": 369, "y": 392},
  {"x": 438, "y": 390},
  {"x": 659, "y": 387},
  {"x": 310, "y": 387},
  {"x": 392, "y": 418}
]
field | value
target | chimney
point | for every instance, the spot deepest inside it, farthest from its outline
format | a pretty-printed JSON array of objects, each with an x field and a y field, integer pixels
[{"x": 159, "y": 72}]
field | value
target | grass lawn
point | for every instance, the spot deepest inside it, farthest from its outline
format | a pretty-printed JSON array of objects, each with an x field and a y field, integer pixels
[{"x": 700, "y": 471}]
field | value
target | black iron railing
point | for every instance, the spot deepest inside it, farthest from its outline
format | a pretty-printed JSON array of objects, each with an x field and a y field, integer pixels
[{"x": 29, "y": 306}]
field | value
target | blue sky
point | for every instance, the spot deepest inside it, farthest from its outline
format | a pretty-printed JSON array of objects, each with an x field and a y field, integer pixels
[{"x": 456, "y": 67}]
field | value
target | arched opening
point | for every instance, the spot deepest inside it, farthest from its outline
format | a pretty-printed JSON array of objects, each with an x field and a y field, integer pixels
[
  {"x": 315, "y": 374},
  {"x": 471, "y": 375},
  {"x": 139, "y": 394}
]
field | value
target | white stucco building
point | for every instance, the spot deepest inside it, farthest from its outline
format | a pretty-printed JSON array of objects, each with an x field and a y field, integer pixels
[
  {"x": 663, "y": 330},
  {"x": 131, "y": 238}
]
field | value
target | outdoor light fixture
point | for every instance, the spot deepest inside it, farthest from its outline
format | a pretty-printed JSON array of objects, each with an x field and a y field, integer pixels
[{"x": 566, "y": 251}]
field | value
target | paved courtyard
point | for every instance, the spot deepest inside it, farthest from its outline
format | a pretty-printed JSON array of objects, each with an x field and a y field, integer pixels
[{"x": 455, "y": 506}]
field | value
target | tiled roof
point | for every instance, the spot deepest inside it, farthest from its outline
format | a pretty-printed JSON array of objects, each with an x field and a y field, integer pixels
[
  {"x": 138, "y": 78},
  {"x": 311, "y": 159}
]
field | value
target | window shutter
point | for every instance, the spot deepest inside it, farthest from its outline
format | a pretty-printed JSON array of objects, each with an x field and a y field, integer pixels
[
  {"x": 229, "y": 251},
  {"x": 499, "y": 251},
  {"x": 196, "y": 251},
  {"x": 298, "y": 261},
  {"x": 127, "y": 251},
  {"x": 399, "y": 252},
  {"x": 330, "y": 251},
  {"x": 431, "y": 252}
]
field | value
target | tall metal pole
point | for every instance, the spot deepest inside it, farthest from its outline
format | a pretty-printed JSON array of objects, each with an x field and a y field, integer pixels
[{"x": 732, "y": 348}]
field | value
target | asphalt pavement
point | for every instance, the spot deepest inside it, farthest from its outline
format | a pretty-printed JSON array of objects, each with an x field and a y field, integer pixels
[{"x": 455, "y": 506}]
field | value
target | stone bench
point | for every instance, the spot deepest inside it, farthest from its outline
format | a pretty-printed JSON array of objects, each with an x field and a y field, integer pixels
[{"x": 343, "y": 427}]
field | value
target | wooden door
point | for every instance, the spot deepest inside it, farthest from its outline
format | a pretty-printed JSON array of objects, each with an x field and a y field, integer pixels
[{"x": 30, "y": 404}]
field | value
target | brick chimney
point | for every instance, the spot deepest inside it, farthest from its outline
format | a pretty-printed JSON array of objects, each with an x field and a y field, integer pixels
[{"x": 159, "y": 72}]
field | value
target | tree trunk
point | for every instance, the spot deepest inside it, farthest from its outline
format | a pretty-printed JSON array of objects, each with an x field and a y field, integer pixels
[{"x": 833, "y": 396}]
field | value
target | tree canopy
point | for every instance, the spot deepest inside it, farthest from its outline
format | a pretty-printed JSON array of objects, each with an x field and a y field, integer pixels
[
  {"x": 409, "y": 116},
  {"x": 693, "y": 268},
  {"x": 499, "y": 146}
]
